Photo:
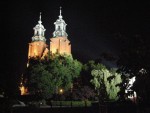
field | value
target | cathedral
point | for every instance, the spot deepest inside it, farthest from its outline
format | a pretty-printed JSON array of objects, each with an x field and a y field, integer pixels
[{"x": 59, "y": 43}]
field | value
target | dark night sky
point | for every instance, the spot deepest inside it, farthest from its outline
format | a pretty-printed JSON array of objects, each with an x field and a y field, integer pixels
[{"x": 91, "y": 27}]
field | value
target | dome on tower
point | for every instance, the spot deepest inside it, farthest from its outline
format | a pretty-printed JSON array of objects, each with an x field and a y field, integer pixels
[
  {"x": 39, "y": 31},
  {"x": 60, "y": 27}
]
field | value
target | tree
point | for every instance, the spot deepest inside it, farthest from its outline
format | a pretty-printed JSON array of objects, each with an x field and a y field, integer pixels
[
  {"x": 133, "y": 58},
  {"x": 40, "y": 81},
  {"x": 86, "y": 72},
  {"x": 64, "y": 69},
  {"x": 84, "y": 93},
  {"x": 46, "y": 77},
  {"x": 106, "y": 83}
]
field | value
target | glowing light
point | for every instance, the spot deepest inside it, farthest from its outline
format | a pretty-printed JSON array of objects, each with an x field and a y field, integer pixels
[
  {"x": 133, "y": 95},
  {"x": 23, "y": 90},
  {"x": 143, "y": 71},
  {"x": 61, "y": 91}
]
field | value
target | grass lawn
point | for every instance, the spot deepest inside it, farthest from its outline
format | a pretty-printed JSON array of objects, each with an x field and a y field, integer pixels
[{"x": 74, "y": 103}]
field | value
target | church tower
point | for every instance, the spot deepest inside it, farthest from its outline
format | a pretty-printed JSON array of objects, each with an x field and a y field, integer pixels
[
  {"x": 59, "y": 43},
  {"x": 38, "y": 46}
]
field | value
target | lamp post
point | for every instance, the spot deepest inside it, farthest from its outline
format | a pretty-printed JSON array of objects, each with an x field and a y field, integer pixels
[
  {"x": 71, "y": 94},
  {"x": 61, "y": 92}
]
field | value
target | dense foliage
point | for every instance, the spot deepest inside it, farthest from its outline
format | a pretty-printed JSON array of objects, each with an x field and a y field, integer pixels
[
  {"x": 106, "y": 82},
  {"x": 47, "y": 77},
  {"x": 83, "y": 93}
]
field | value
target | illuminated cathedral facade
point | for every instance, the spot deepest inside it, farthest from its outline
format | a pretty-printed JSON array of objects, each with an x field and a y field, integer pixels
[{"x": 59, "y": 43}]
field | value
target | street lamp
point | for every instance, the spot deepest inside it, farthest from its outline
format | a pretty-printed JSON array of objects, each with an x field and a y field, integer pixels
[
  {"x": 61, "y": 92},
  {"x": 71, "y": 93}
]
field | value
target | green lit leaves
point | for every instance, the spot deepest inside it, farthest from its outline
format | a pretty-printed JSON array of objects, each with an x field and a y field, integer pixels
[
  {"x": 106, "y": 81},
  {"x": 46, "y": 77}
]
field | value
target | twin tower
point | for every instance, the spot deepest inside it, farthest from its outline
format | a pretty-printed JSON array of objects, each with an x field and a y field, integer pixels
[{"x": 59, "y": 43}]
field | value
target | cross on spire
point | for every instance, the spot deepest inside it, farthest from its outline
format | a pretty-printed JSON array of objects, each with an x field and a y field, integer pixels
[
  {"x": 40, "y": 16},
  {"x": 60, "y": 16},
  {"x": 40, "y": 19},
  {"x": 60, "y": 10}
]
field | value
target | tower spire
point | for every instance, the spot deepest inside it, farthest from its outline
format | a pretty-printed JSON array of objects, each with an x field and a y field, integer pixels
[
  {"x": 40, "y": 19},
  {"x": 39, "y": 31},
  {"x": 60, "y": 16},
  {"x": 60, "y": 27}
]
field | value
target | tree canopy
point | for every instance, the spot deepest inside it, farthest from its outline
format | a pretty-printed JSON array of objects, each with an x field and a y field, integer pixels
[
  {"x": 106, "y": 82},
  {"x": 46, "y": 77}
]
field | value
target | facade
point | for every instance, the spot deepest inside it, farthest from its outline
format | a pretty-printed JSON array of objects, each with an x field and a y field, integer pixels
[{"x": 59, "y": 43}]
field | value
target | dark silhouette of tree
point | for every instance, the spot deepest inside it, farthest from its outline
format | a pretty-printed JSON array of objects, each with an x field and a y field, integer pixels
[
  {"x": 86, "y": 73},
  {"x": 134, "y": 57},
  {"x": 84, "y": 93}
]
